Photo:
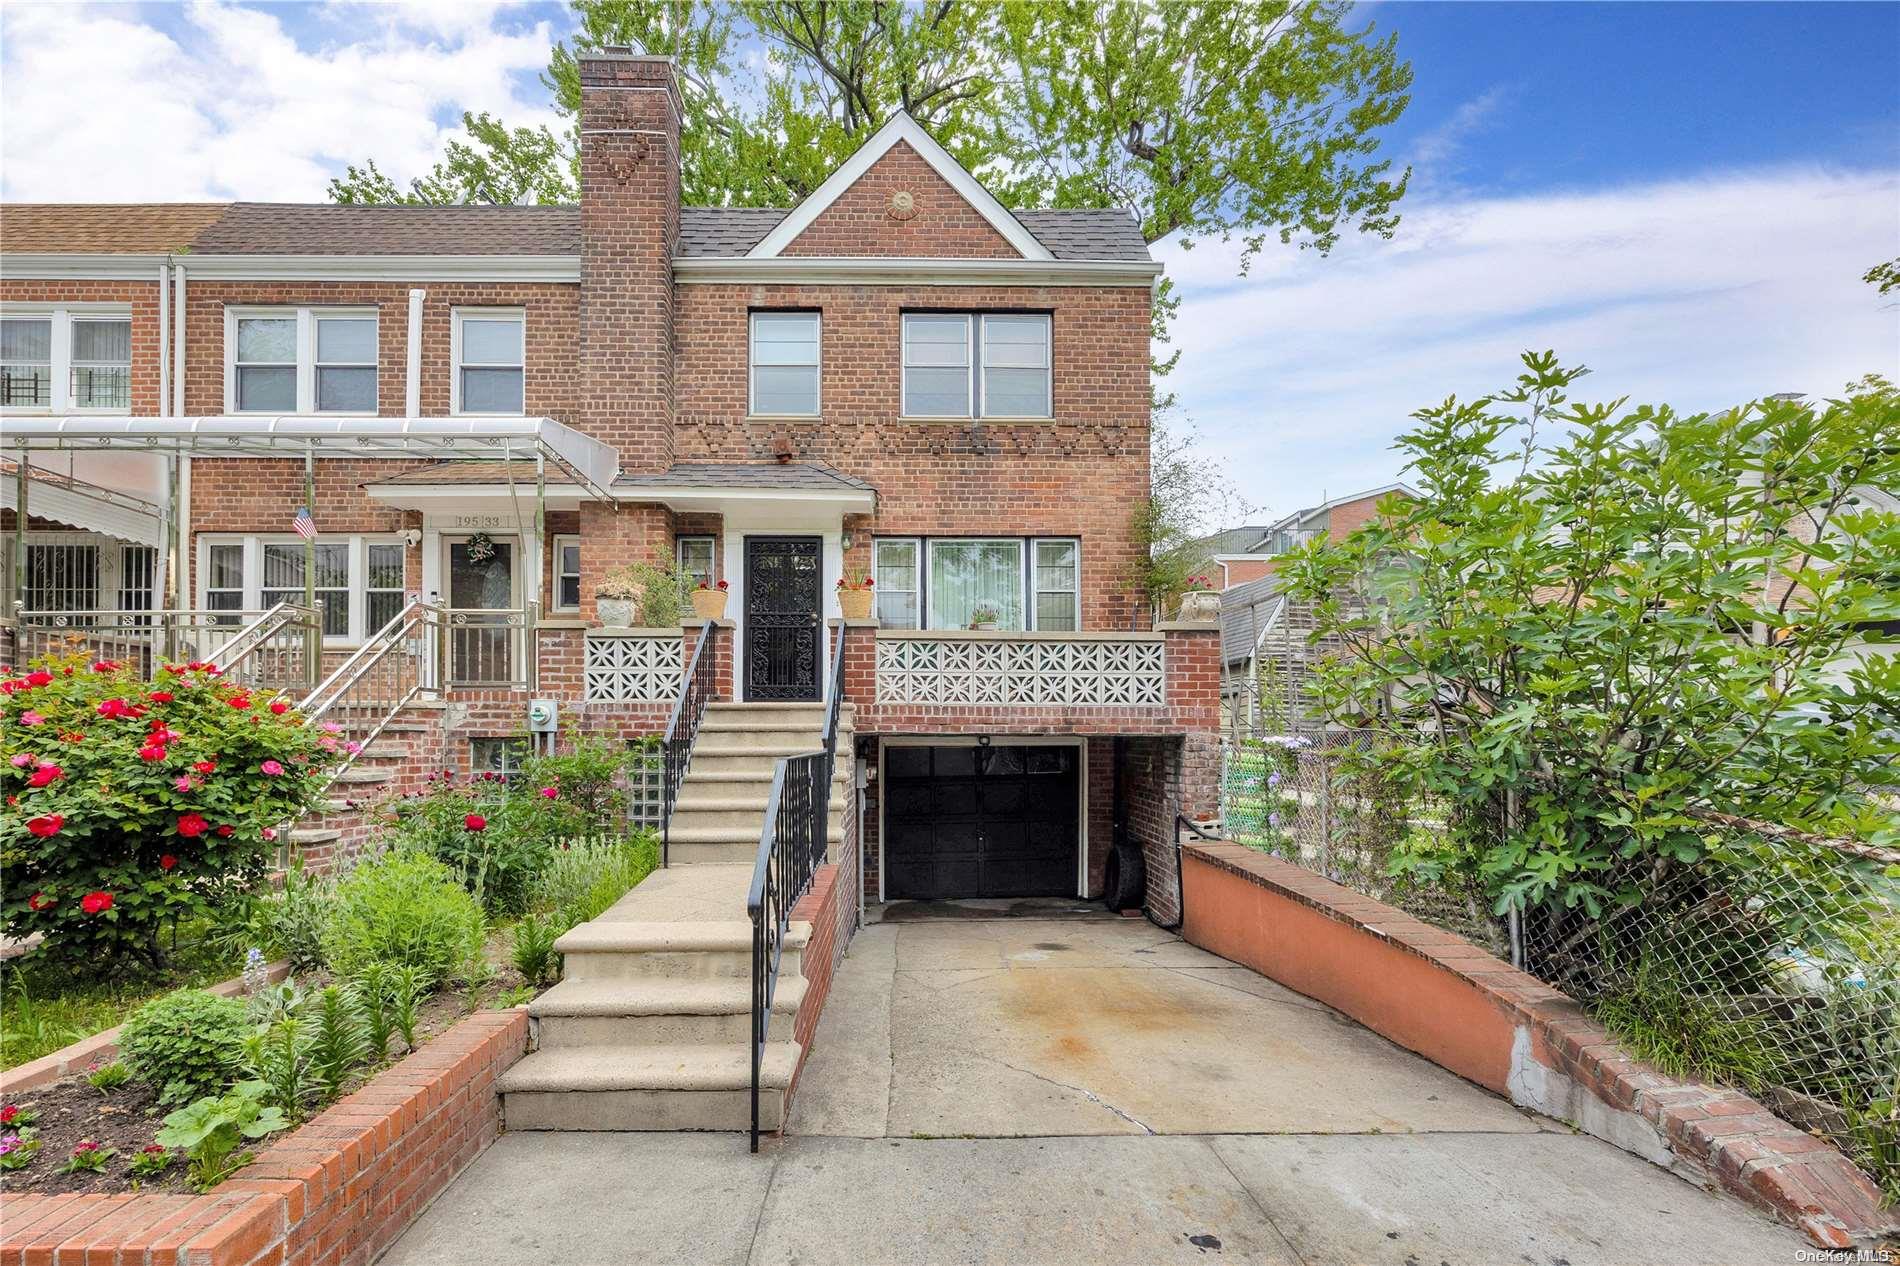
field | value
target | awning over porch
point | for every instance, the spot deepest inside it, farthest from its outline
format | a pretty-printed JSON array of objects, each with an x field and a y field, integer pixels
[
  {"x": 475, "y": 485},
  {"x": 721, "y": 487},
  {"x": 117, "y": 494}
]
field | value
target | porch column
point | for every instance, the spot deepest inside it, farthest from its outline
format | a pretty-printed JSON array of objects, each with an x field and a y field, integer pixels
[{"x": 17, "y": 597}]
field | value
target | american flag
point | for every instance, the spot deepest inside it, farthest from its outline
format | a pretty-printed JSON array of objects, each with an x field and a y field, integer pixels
[{"x": 305, "y": 525}]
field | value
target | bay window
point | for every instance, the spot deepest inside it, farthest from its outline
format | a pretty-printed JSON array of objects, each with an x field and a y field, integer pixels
[
  {"x": 969, "y": 365},
  {"x": 301, "y": 360},
  {"x": 64, "y": 359},
  {"x": 785, "y": 364},
  {"x": 358, "y": 579},
  {"x": 953, "y": 583}
]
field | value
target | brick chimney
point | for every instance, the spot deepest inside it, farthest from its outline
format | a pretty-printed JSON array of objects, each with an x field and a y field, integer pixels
[{"x": 630, "y": 215}]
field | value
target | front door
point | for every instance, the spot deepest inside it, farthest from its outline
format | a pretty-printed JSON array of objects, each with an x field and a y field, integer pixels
[
  {"x": 483, "y": 619},
  {"x": 782, "y": 630}
]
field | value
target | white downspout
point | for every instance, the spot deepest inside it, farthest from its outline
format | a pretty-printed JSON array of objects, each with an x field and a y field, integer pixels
[
  {"x": 412, "y": 382},
  {"x": 178, "y": 341},
  {"x": 164, "y": 341},
  {"x": 180, "y": 490}
]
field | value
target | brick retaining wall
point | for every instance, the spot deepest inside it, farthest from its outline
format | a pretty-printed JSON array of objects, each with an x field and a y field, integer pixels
[
  {"x": 1459, "y": 1006},
  {"x": 338, "y": 1190}
]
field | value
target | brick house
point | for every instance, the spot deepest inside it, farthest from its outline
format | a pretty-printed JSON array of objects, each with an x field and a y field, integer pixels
[
  {"x": 898, "y": 378},
  {"x": 1244, "y": 554}
]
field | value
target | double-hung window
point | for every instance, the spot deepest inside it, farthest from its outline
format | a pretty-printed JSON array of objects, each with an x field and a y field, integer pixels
[
  {"x": 695, "y": 559},
  {"x": 66, "y": 359},
  {"x": 785, "y": 364},
  {"x": 358, "y": 579},
  {"x": 954, "y": 583},
  {"x": 969, "y": 365},
  {"x": 567, "y": 573},
  {"x": 301, "y": 360},
  {"x": 490, "y": 347}
]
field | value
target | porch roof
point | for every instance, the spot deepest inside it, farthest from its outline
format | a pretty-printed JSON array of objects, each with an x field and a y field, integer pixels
[
  {"x": 96, "y": 507},
  {"x": 716, "y": 485}
]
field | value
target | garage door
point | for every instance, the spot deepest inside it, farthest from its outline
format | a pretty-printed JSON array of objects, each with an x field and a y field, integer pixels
[{"x": 998, "y": 821}]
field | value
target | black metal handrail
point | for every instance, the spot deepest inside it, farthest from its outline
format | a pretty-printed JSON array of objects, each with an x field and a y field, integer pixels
[
  {"x": 682, "y": 728},
  {"x": 791, "y": 849}
]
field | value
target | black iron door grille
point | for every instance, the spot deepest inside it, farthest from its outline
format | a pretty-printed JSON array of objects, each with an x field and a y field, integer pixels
[{"x": 782, "y": 595}]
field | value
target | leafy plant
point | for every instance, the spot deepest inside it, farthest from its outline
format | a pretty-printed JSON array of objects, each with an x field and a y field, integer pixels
[
  {"x": 88, "y": 1157},
  {"x": 151, "y": 1161},
  {"x": 277, "y": 1056},
  {"x": 1598, "y": 622},
  {"x": 106, "y": 1078},
  {"x": 657, "y": 590},
  {"x": 582, "y": 880},
  {"x": 341, "y": 1043},
  {"x": 211, "y": 1131},
  {"x": 407, "y": 909},
  {"x": 375, "y": 989},
  {"x": 289, "y": 924},
  {"x": 186, "y": 1044},
  {"x": 494, "y": 853},
  {"x": 411, "y": 984},
  {"x": 512, "y": 997},
  {"x": 18, "y": 1148},
  {"x": 14, "y": 1116},
  {"x": 135, "y": 804},
  {"x": 534, "y": 955}
]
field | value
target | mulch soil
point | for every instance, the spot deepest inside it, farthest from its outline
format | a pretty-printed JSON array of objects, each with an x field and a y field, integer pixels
[{"x": 126, "y": 1120}]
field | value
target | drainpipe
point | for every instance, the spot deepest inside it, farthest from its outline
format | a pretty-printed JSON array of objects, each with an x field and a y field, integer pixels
[
  {"x": 164, "y": 340},
  {"x": 174, "y": 554},
  {"x": 19, "y": 542},
  {"x": 178, "y": 340},
  {"x": 412, "y": 383}
]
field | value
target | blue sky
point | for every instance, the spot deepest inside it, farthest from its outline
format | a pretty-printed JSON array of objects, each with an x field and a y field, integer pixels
[{"x": 1682, "y": 196}]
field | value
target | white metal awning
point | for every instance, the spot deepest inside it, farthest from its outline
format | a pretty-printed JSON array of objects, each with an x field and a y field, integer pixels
[
  {"x": 588, "y": 461},
  {"x": 117, "y": 494}
]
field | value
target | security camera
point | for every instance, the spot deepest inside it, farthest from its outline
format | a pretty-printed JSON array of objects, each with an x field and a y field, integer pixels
[{"x": 412, "y": 537}]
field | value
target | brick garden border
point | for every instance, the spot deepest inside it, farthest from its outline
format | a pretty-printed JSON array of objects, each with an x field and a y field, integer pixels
[
  {"x": 340, "y": 1189},
  {"x": 1461, "y": 1007}
]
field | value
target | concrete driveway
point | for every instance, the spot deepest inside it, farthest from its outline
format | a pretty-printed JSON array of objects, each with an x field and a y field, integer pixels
[{"x": 1091, "y": 1090}]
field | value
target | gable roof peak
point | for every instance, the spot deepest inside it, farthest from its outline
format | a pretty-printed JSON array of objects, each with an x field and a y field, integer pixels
[{"x": 901, "y": 127}]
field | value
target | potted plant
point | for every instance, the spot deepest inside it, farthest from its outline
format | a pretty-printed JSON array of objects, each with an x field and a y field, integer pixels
[
  {"x": 984, "y": 616},
  {"x": 614, "y": 599},
  {"x": 854, "y": 595},
  {"x": 1201, "y": 602},
  {"x": 709, "y": 600}
]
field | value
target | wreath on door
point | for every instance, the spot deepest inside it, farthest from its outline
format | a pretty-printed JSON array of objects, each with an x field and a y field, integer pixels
[{"x": 480, "y": 548}]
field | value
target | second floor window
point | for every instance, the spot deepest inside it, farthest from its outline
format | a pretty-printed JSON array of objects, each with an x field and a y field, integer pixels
[
  {"x": 303, "y": 360},
  {"x": 490, "y": 364},
  {"x": 66, "y": 359},
  {"x": 965, "y": 365},
  {"x": 785, "y": 364}
]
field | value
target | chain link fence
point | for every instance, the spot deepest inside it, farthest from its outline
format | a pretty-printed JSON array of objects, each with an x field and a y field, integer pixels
[{"x": 1771, "y": 963}]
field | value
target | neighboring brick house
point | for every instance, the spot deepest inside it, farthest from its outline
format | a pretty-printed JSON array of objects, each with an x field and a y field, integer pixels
[
  {"x": 1244, "y": 554},
  {"x": 898, "y": 377}
]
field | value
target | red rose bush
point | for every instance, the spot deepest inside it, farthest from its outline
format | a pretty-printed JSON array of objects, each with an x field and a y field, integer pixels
[{"x": 133, "y": 803}]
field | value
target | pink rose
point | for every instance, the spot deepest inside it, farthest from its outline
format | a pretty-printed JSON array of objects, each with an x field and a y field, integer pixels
[
  {"x": 32, "y": 718},
  {"x": 271, "y": 767},
  {"x": 270, "y": 832},
  {"x": 551, "y": 792},
  {"x": 183, "y": 782},
  {"x": 22, "y": 760}
]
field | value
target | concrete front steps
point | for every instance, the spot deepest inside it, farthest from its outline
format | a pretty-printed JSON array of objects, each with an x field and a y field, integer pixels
[
  {"x": 650, "y": 1027},
  {"x": 344, "y": 820}
]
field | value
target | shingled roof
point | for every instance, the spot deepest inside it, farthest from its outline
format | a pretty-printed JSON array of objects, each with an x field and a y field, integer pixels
[
  {"x": 795, "y": 476},
  {"x": 315, "y": 228},
  {"x": 104, "y": 228}
]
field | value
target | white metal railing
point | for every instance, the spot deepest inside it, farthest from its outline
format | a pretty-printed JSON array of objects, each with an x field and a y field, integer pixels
[
  {"x": 489, "y": 647},
  {"x": 1022, "y": 669},
  {"x": 279, "y": 648}
]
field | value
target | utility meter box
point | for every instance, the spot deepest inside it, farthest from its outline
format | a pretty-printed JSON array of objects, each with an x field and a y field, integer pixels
[{"x": 543, "y": 715}]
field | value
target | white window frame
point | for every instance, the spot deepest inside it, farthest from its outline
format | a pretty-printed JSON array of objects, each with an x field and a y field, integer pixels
[
  {"x": 456, "y": 317},
  {"x": 1028, "y": 573},
  {"x": 513, "y": 748},
  {"x": 903, "y": 360},
  {"x": 254, "y": 572},
  {"x": 1035, "y": 588},
  {"x": 752, "y": 366},
  {"x": 59, "y": 394},
  {"x": 712, "y": 556},
  {"x": 306, "y": 319},
  {"x": 917, "y": 544},
  {"x": 560, "y": 543},
  {"x": 981, "y": 360}
]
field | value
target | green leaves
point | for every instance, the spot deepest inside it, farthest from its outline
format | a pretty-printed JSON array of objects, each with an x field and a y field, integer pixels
[
  {"x": 1622, "y": 617},
  {"x": 211, "y": 1130}
]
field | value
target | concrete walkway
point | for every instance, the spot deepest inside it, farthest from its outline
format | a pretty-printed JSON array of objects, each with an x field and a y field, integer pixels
[{"x": 1090, "y": 1090}]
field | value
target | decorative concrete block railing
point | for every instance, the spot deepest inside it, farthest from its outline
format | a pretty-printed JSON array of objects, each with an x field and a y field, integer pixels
[
  {"x": 1460, "y": 1007},
  {"x": 1018, "y": 669},
  {"x": 632, "y": 665}
]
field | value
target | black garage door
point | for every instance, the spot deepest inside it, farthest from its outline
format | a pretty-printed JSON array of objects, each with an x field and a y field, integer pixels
[{"x": 999, "y": 821}]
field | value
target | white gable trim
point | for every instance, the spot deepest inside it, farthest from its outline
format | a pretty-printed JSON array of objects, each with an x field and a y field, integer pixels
[{"x": 901, "y": 128}]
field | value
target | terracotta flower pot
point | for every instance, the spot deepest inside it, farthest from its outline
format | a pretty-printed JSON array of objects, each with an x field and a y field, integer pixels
[
  {"x": 855, "y": 603},
  {"x": 709, "y": 604}
]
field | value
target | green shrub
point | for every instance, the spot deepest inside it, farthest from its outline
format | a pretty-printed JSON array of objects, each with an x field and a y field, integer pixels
[
  {"x": 494, "y": 848},
  {"x": 534, "y": 954},
  {"x": 186, "y": 1044},
  {"x": 212, "y": 1129},
  {"x": 406, "y": 909},
  {"x": 341, "y": 1042},
  {"x": 582, "y": 880},
  {"x": 136, "y": 803}
]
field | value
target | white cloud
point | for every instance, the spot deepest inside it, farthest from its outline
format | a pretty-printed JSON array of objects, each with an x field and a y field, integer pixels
[
  {"x": 99, "y": 106},
  {"x": 1696, "y": 293}
]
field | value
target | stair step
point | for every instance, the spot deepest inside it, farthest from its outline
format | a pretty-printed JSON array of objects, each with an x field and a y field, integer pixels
[
  {"x": 735, "y": 834},
  {"x": 365, "y": 774},
  {"x": 724, "y": 852},
  {"x": 607, "y": 950},
  {"x": 313, "y": 835},
  {"x": 708, "y": 1011},
  {"x": 647, "y": 1088}
]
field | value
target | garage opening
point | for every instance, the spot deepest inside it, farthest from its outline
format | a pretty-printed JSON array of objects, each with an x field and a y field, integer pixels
[{"x": 998, "y": 821}]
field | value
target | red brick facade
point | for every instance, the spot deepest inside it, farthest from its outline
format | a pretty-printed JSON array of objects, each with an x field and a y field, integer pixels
[{"x": 938, "y": 223}]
